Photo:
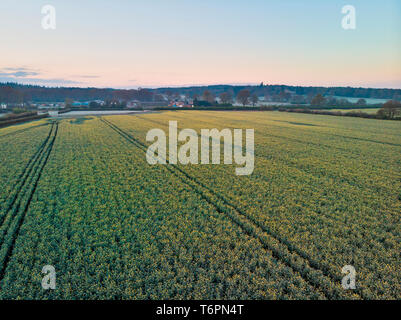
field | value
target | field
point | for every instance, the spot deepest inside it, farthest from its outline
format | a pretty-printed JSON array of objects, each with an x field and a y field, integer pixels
[
  {"x": 366, "y": 110},
  {"x": 78, "y": 194}
]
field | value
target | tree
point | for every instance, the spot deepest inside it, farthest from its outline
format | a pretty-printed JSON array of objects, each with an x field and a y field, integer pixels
[
  {"x": 68, "y": 102},
  {"x": 243, "y": 96},
  {"x": 390, "y": 109},
  {"x": 158, "y": 98},
  {"x": 208, "y": 96},
  {"x": 361, "y": 102},
  {"x": 254, "y": 99},
  {"x": 318, "y": 100},
  {"x": 94, "y": 104},
  {"x": 298, "y": 99},
  {"x": 284, "y": 96},
  {"x": 332, "y": 101},
  {"x": 169, "y": 95},
  {"x": 142, "y": 95},
  {"x": 309, "y": 97},
  {"x": 20, "y": 97},
  {"x": 226, "y": 97},
  {"x": 343, "y": 102}
]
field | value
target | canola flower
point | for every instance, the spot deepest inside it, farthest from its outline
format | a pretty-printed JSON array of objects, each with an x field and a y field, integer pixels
[{"x": 325, "y": 193}]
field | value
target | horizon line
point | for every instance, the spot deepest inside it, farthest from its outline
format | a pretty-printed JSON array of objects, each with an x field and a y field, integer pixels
[{"x": 234, "y": 84}]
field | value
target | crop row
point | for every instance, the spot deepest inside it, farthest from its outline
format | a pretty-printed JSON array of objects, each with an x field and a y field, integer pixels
[
  {"x": 16, "y": 153},
  {"x": 101, "y": 216},
  {"x": 298, "y": 261},
  {"x": 17, "y": 205},
  {"x": 330, "y": 224}
]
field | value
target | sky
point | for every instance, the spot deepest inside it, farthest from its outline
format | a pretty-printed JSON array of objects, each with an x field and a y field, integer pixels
[{"x": 158, "y": 43}]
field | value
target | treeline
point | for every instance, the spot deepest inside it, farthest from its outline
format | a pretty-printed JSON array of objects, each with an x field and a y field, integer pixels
[
  {"x": 357, "y": 114},
  {"x": 391, "y": 110},
  {"x": 283, "y": 92},
  {"x": 17, "y": 115},
  {"x": 246, "y": 97},
  {"x": 11, "y": 119},
  {"x": 20, "y": 94}
]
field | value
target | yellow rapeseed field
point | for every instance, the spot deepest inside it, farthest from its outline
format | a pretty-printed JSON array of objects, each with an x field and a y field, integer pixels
[{"x": 79, "y": 194}]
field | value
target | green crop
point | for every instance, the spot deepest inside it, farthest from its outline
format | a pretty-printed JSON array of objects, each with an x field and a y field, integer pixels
[{"x": 79, "y": 195}]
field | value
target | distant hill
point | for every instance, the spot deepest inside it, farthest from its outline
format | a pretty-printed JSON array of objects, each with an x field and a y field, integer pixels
[
  {"x": 262, "y": 90},
  {"x": 14, "y": 92}
]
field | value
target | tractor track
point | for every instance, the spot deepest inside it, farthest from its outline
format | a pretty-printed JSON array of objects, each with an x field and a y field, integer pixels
[
  {"x": 328, "y": 218},
  {"x": 14, "y": 217},
  {"x": 23, "y": 176},
  {"x": 317, "y": 276}
]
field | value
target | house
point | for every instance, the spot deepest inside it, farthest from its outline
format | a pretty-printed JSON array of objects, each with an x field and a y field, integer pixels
[
  {"x": 101, "y": 102},
  {"x": 133, "y": 104},
  {"x": 180, "y": 104},
  {"x": 44, "y": 106},
  {"x": 80, "y": 104}
]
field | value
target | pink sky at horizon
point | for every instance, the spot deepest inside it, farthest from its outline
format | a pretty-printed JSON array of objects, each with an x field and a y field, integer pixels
[{"x": 97, "y": 44}]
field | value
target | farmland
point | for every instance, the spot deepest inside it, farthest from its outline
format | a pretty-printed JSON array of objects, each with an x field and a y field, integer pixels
[
  {"x": 366, "y": 110},
  {"x": 78, "y": 194}
]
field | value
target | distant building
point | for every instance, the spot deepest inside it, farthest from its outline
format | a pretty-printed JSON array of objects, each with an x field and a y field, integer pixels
[
  {"x": 49, "y": 105},
  {"x": 100, "y": 102},
  {"x": 79, "y": 103},
  {"x": 180, "y": 104},
  {"x": 44, "y": 106},
  {"x": 133, "y": 104}
]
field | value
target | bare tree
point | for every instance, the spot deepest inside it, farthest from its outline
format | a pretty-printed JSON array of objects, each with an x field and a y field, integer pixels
[
  {"x": 243, "y": 96},
  {"x": 318, "y": 100},
  {"x": 254, "y": 99},
  {"x": 68, "y": 102},
  {"x": 158, "y": 98},
  {"x": 390, "y": 109},
  {"x": 226, "y": 97},
  {"x": 361, "y": 102},
  {"x": 208, "y": 96}
]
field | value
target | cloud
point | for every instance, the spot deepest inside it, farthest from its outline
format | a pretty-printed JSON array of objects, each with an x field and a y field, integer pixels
[
  {"x": 19, "y": 74},
  {"x": 88, "y": 76},
  {"x": 25, "y": 75},
  {"x": 16, "y": 69}
]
